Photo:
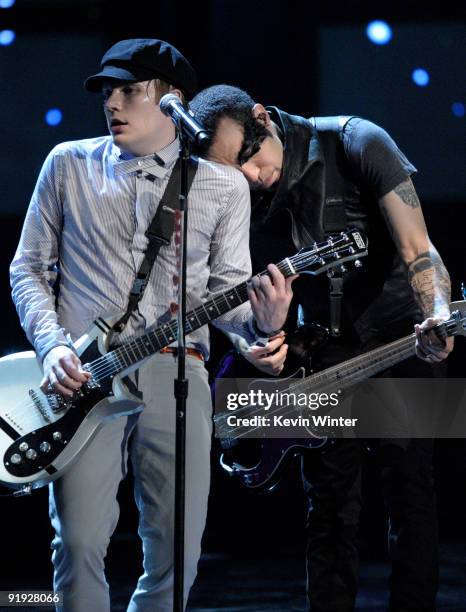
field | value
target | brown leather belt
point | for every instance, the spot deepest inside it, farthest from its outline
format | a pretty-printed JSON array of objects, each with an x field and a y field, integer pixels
[{"x": 189, "y": 351}]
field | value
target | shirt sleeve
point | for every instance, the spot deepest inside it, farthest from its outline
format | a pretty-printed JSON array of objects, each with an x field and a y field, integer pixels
[
  {"x": 33, "y": 270},
  {"x": 375, "y": 159},
  {"x": 230, "y": 260}
]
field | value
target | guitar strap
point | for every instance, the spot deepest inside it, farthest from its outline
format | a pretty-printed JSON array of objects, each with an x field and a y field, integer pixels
[
  {"x": 335, "y": 220},
  {"x": 159, "y": 233}
]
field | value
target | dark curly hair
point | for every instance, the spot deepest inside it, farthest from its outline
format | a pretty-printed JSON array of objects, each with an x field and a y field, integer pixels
[{"x": 212, "y": 104}]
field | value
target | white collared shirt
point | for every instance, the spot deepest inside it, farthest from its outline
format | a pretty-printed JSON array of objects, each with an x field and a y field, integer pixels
[{"x": 87, "y": 219}]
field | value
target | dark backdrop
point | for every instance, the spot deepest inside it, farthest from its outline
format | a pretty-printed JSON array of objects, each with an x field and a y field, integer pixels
[{"x": 307, "y": 58}]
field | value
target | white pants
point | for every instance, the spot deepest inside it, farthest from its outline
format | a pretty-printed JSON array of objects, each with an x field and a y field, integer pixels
[{"x": 83, "y": 507}]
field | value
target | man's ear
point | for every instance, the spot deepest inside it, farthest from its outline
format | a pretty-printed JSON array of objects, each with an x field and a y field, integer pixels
[
  {"x": 259, "y": 113},
  {"x": 177, "y": 92}
]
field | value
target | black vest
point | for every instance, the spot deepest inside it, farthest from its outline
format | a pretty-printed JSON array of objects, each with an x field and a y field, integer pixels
[{"x": 315, "y": 197}]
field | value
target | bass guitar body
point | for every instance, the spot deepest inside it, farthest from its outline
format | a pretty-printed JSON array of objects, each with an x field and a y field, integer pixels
[{"x": 259, "y": 463}]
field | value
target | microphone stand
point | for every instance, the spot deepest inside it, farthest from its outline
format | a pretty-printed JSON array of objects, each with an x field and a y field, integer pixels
[{"x": 181, "y": 386}]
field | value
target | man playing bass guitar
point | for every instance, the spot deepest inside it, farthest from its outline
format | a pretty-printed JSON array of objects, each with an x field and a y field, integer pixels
[{"x": 310, "y": 178}]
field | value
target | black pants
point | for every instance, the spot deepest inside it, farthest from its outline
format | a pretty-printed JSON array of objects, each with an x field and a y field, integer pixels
[{"x": 332, "y": 482}]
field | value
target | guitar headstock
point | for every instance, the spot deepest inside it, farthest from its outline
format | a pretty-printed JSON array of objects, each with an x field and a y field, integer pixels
[{"x": 337, "y": 250}]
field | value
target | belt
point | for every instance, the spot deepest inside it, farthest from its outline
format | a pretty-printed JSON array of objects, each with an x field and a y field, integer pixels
[{"x": 189, "y": 351}]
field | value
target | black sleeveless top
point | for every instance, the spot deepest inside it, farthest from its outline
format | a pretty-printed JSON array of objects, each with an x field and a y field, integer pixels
[{"x": 334, "y": 171}]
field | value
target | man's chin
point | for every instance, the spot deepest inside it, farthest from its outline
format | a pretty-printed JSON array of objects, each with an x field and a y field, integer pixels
[{"x": 267, "y": 185}]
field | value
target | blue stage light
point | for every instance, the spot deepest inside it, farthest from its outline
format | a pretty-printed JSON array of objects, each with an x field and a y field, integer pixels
[
  {"x": 6, "y": 3},
  {"x": 457, "y": 108},
  {"x": 420, "y": 77},
  {"x": 379, "y": 32},
  {"x": 7, "y": 37},
  {"x": 53, "y": 116}
]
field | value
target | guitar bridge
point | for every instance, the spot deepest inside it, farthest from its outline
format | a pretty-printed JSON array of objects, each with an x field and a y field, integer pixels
[
  {"x": 38, "y": 404},
  {"x": 57, "y": 402}
]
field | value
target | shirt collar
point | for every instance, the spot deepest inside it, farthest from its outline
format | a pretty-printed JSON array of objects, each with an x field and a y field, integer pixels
[{"x": 156, "y": 164}]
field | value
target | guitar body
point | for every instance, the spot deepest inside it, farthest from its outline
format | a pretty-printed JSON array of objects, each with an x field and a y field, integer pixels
[
  {"x": 55, "y": 430},
  {"x": 259, "y": 463}
]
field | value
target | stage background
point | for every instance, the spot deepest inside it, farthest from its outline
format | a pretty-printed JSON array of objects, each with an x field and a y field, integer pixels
[{"x": 305, "y": 58}]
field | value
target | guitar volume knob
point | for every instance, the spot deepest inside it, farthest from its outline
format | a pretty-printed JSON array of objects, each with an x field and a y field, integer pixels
[
  {"x": 31, "y": 454},
  {"x": 23, "y": 447},
  {"x": 44, "y": 447},
  {"x": 16, "y": 459},
  {"x": 56, "y": 436}
]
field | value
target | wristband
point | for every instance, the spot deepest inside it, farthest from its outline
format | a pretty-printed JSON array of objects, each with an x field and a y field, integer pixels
[{"x": 261, "y": 334}]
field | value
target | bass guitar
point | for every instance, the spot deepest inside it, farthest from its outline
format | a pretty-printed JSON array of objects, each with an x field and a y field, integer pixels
[
  {"x": 259, "y": 463},
  {"x": 41, "y": 434}
]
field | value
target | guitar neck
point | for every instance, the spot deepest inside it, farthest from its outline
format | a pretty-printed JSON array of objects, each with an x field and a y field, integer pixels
[
  {"x": 334, "y": 252},
  {"x": 135, "y": 351},
  {"x": 358, "y": 369}
]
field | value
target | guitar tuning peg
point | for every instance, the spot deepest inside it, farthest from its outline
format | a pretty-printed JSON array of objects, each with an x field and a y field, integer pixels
[
  {"x": 358, "y": 263},
  {"x": 343, "y": 269}
]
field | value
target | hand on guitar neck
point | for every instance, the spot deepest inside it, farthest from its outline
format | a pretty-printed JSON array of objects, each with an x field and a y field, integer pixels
[
  {"x": 430, "y": 345},
  {"x": 270, "y": 297}
]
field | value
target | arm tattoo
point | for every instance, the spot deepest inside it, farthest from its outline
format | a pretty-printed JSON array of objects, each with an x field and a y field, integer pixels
[
  {"x": 406, "y": 192},
  {"x": 430, "y": 283}
]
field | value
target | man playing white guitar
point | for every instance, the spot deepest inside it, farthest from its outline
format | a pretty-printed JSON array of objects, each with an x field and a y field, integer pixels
[{"x": 93, "y": 202}]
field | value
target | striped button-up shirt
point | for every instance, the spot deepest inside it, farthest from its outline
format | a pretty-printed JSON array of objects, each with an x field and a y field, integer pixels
[{"x": 87, "y": 221}]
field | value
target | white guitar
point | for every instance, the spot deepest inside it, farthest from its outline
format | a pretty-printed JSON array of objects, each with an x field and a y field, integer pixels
[{"x": 41, "y": 434}]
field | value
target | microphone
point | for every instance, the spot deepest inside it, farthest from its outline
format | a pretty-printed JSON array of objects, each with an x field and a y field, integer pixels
[{"x": 184, "y": 119}]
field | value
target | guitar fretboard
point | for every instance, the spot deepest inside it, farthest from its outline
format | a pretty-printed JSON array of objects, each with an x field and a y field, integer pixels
[
  {"x": 340, "y": 376},
  {"x": 150, "y": 343},
  {"x": 345, "y": 247},
  {"x": 357, "y": 369}
]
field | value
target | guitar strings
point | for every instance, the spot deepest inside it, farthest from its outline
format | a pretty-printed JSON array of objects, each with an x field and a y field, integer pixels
[
  {"x": 381, "y": 360},
  {"x": 324, "y": 377},
  {"x": 352, "y": 379},
  {"x": 101, "y": 368},
  {"x": 309, "y": 382},
  {"x": 29, "y": 408},
  {"x": 381, "y": 356}
]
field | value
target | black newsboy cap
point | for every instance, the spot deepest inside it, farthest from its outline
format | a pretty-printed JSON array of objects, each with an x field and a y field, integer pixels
[{"x": 142, "y": 59}]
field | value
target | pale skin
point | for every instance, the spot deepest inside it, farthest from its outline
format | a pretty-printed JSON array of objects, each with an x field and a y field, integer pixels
[
  {"x": 401, "y": 209},
  {"x": 138, "y": 127}
]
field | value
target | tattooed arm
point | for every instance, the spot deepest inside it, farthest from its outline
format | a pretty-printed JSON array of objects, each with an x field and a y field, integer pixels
[{"x": 427, "y": 274}]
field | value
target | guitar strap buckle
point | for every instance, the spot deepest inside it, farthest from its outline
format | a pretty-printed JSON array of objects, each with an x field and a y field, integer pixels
[{"x": 336, "y": 297}]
